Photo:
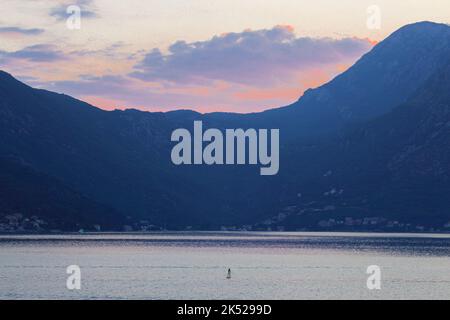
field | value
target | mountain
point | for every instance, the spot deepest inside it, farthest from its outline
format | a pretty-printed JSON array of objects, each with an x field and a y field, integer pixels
[
  {"x": 48, "y": 203},
  {"x": 381, "y": 80},
  {"x": 386, "y": 76},
  {"x": 112, "y": 157},
  {"x": 371, "y": 143},
  {"x": 394, "y": 167}
]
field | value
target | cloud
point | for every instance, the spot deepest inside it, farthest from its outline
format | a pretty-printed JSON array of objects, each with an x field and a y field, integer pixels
[
  {"x": 261, "y": 57},
  {"x": 86, "y": 6},
  {"x": 114, "y": 50},
  {"x": 239, "y": 72},
  {"x": 35, "y": 53},
  {"x": 93, "y": 85},
  {"x": 20, "y": 31},
  {"x": 121, "y": 92}
]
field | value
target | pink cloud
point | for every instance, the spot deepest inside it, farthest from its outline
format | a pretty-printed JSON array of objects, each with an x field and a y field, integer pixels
[
  {"x": 260, "y": 57},
  {"x": 239, "y": 72}
]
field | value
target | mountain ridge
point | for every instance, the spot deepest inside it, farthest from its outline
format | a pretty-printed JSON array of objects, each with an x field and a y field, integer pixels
[{"x": 121, "y": 159}]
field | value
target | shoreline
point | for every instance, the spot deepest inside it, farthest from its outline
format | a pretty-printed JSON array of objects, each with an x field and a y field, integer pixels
[{"x": 268, "y": 234}]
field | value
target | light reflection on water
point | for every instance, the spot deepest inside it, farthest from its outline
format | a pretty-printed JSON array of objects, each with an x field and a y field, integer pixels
[{"x": 193, "y": 266}]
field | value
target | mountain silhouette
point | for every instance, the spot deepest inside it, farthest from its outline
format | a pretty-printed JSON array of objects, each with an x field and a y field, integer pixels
[{"x": 373, "y": 142}]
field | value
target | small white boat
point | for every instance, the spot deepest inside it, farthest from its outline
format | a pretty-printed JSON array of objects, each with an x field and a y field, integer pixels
[{"x": 229, "y": 274}]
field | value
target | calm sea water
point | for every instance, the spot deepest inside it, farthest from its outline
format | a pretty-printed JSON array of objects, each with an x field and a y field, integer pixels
[{"x": 194, "y": 266}]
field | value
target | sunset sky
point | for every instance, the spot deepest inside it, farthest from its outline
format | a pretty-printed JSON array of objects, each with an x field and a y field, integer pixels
[{"x": 206, "y": 55}]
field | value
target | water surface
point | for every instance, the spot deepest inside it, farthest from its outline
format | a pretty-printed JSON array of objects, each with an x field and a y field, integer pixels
[{"x": 194, "y": 266}]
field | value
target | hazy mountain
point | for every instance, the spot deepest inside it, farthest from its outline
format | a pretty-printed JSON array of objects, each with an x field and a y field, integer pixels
[
  {"x": 29, "y": 193},
  {"x": 374, "y": 85},
  {"x": 371, "y": 142},
  {"x": 117, "y": 158},
  {"x": 394, "y": 166}
]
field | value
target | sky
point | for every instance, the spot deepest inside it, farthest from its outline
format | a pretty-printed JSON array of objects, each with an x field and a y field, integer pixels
[{"x": 205, "y": 55}]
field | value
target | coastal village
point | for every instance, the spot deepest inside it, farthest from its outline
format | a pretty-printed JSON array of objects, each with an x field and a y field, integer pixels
[{"x": 18, "y": 223}]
